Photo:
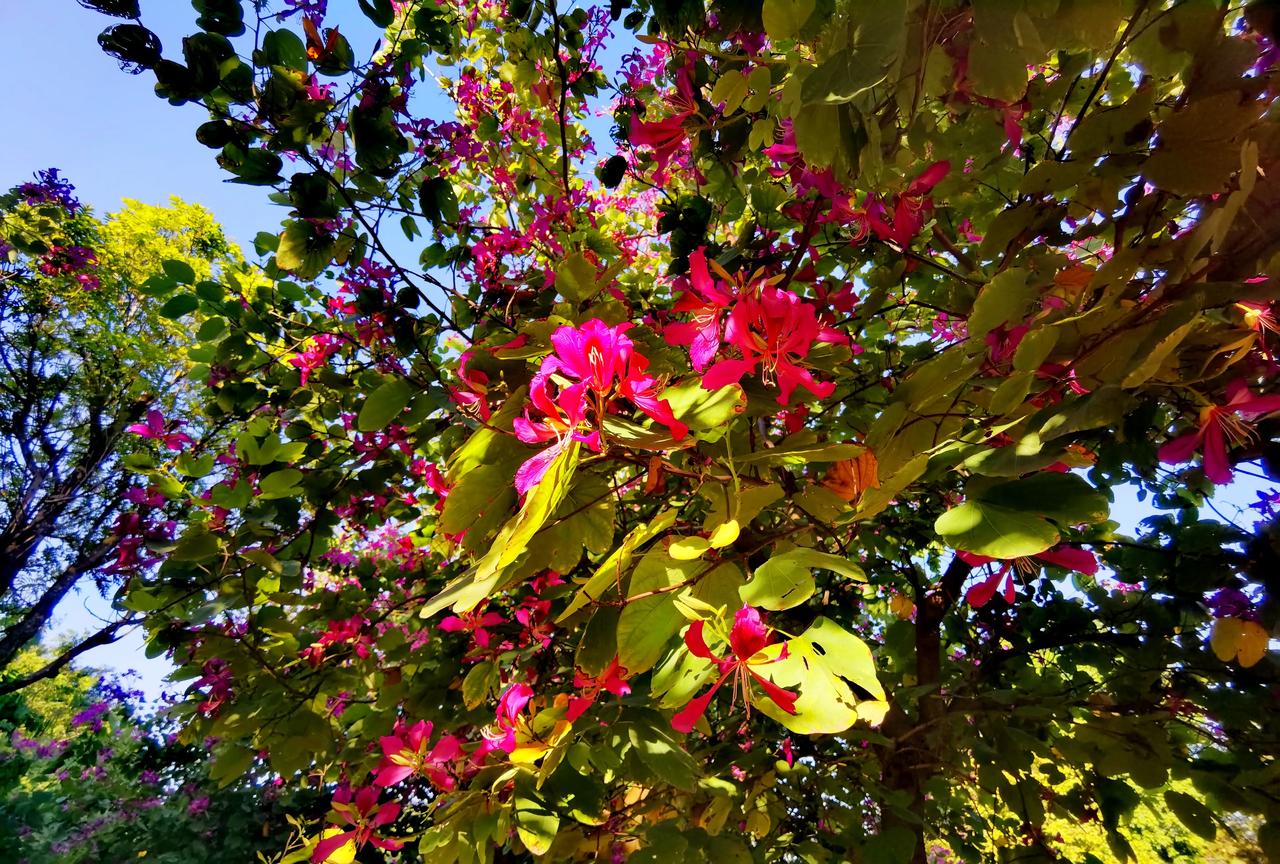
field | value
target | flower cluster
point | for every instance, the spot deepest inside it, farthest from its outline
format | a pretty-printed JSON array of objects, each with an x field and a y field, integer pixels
[
  {"x": 772, "y": 329},
  {"x": 578, "y": 385},
  {"x": 49, "y": 188}
]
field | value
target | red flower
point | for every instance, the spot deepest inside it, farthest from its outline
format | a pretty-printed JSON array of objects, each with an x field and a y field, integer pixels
[
  {"x": 405, "y": 753},
  {"x": 772, "y": 331},
  {"x": 1218, "y": 425},
  {"x": 668, "y": 136},
  {"x": 746, "y": 640},
  {"x": 1066, "y": 557},
  {"x": 909, "y": 209},
  {"x": 612, "y": 679},
  {"x": 361, "y": 811}
]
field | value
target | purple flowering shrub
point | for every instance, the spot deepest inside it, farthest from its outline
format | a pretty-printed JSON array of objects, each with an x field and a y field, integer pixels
[{"x": 90, "y": 773}]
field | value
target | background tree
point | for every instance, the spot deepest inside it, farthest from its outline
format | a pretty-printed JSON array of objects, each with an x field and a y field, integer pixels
[
  {"x": 738, "y": 490},
  {"x": 91, "y": 376},
  {"x": 87, "y": 774}
]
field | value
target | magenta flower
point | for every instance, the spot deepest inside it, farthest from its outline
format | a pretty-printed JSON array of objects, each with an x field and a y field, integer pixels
[
  {"x": 405, "y": 753},
  {"x": 502, "y": 735},
  {"x": 773, "y": 331},
  {"x": 707, "y": 300},
  {"x": 1066, "y": 557},
  {"x": 597, "y": 365},
  {"x": 747, "y": 639},
  {"x": 1220, "y": 425},
  {"x": 476, "y": 623},
  {"x": 155, "y": 428},
  {"x": 359, "y": 810}
]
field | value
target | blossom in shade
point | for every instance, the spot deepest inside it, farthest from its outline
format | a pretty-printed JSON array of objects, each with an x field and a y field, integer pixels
[
  {"x": 903, "y": 219},
  {"x": 747, "y": 639},
  {"x": 611, "y": 680},
  {"x": 1066, "y": 557},
  {"x": 361, "y": 814},
  {"x": 1219, "y": 427},
  {"x": 668, "y": 136}
]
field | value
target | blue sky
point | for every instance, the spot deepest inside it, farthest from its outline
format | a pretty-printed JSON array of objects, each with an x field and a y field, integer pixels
[
  {"x": 74, "y": 109},
  {"x": 70, "y": 106}
]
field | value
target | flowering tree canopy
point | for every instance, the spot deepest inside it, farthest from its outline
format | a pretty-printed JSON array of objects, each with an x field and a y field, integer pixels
[{"x": 682, "y": 431}]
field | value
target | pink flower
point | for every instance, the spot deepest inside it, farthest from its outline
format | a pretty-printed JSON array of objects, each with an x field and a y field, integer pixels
[
  {"x": 707, "y": 301},
  {"x": 667, "y": 137},
  {"x": 747, "y": 639},
  {"x": 600, "y": 364},
  {"x": 154, "y": 429},
  {"x": 502, "y": 735},
  {"x": 361, "y": 811},
  {"x": 476, "y": 623},
  {"x": 772, "y": 331},
  {"x": 612, "y": 680},
  {"x": 405, "y": 753},
  {"x": 316, "y": 354},
  {"x": 1219, "y": 424},
  {"x": 1066, "y": 557}
]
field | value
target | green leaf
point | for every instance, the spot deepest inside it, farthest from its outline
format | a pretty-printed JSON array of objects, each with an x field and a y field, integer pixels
[
  {"x": 283, "y": 47},
  {"x": 783, "y": 19},
  {"x": 821, "y": 663},
  {"x": 786, "y": 580},
  {"x": 610, "y": 571},
  {"x": 179, "y": 271},
  {"x": 1014, "y": 518},
  {"x": 384, "y": 404},
  {"x": 178, "y": 305},
  {"x": 576, "y": 278},
  {"x": 478, "y": 684},
  {"x": 279, "y": 484},
  {"x": 468, "y": 590},
  {"x": 998, "y": 532},
  {"x": 659, "y": 750},
  {"x": 875, "y": 42},
  {"x": 800, "y": 449},
  {"x": 730, "y": 89},
  {"x": 599, "y": 643},
  {"x": 229, "y": 764},
  {"x": 1004, "y": 299},
  {"x": 302, "y": 251},
  {"x": 648, "y": 623},
  {"x": 536, "y": 823},
  {"x": 1007, "y": 42},
  {"x": 380, "y": 12},
  {"x": 707, "y": 413},
  {"x": 1067, "y": 499},
  {"x": 195, "y": 547},
  {"x": 1192, "y": 813}
]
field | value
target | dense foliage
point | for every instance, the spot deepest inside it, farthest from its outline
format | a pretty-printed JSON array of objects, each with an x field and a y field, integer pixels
[{"x": 734, "y": 483}]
